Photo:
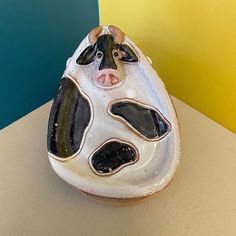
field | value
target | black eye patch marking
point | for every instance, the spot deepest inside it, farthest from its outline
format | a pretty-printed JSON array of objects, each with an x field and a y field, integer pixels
[
  {"x": 112, "y": 156},
  {"x": 143, "y": 119},
  {"x": 68, "y": 122},
  {"x": 129, "y": 54},
  {"x": 86, "y": 56}
]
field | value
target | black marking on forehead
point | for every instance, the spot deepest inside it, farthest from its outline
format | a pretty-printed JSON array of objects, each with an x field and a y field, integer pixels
[
  {"x": 147, "y": 121},
  {"x": 70, "y": 115},
  {"x": 112, "y": 156},
  {"x": 106, "y": 44}
]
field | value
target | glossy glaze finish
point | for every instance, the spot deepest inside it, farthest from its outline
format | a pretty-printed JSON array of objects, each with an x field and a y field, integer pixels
[
  {"x": 70, "y": 115},
  {"x": 146, "y": 121},
  {"x": 143, "y": 120},
  {"x": 112, "y": 156}
]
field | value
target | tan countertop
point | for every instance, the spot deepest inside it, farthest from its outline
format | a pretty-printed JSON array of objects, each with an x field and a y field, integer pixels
[{"x": 201, "y": 200}]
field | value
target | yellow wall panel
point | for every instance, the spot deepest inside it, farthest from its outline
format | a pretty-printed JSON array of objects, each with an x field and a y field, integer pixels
[{"x": 192, "y": 45}]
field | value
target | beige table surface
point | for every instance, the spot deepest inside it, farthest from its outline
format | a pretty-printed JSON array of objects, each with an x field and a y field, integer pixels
[{"x": 201, "y": 200}]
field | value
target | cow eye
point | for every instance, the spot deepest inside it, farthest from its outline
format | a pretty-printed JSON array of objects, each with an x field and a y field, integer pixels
[
  {"x": 116, "y": 54},
  {"x": 99, "y": 54}
]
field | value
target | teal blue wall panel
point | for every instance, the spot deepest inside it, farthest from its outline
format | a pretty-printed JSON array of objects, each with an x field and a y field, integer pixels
[{"x": 36, "y": 38}]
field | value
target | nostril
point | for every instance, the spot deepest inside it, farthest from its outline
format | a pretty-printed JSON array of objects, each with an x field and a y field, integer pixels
[
  {"x": 113, "y": 78},
  {"x": 101, "y": 79}
]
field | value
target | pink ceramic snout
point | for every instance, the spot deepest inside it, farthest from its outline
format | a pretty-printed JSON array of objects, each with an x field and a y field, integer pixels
[{"x": 107, "y": 77}]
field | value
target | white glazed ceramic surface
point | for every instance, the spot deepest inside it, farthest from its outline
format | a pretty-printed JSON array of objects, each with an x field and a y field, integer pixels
[{"x": 157, "y": 159}]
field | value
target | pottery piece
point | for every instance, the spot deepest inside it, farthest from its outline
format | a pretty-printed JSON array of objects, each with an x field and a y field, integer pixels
[{"x": 113, "y": 130}]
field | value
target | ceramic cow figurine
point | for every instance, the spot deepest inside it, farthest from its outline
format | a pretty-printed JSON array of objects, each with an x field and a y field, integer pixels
[{"x": 112, "y": 129}]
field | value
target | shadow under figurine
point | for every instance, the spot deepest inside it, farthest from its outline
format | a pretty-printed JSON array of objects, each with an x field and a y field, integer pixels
[{"x": 112, "y": 130}]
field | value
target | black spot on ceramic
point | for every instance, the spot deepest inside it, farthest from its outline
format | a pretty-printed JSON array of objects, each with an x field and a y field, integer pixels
[
  {"x": 106, "y": 44},
  {"x": 112, "y": 156},
  {"x": 70, "y": 115},
  {"x": 146, "y": 121}
]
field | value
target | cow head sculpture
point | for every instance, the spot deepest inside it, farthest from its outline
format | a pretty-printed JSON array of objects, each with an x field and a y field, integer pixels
[{"x": 106, "y": 51}]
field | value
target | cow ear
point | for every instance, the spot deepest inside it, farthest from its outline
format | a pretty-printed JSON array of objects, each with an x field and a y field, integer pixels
[
  {"x": 87, "y": 56},
  {"x": 128, "y": 53}
]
